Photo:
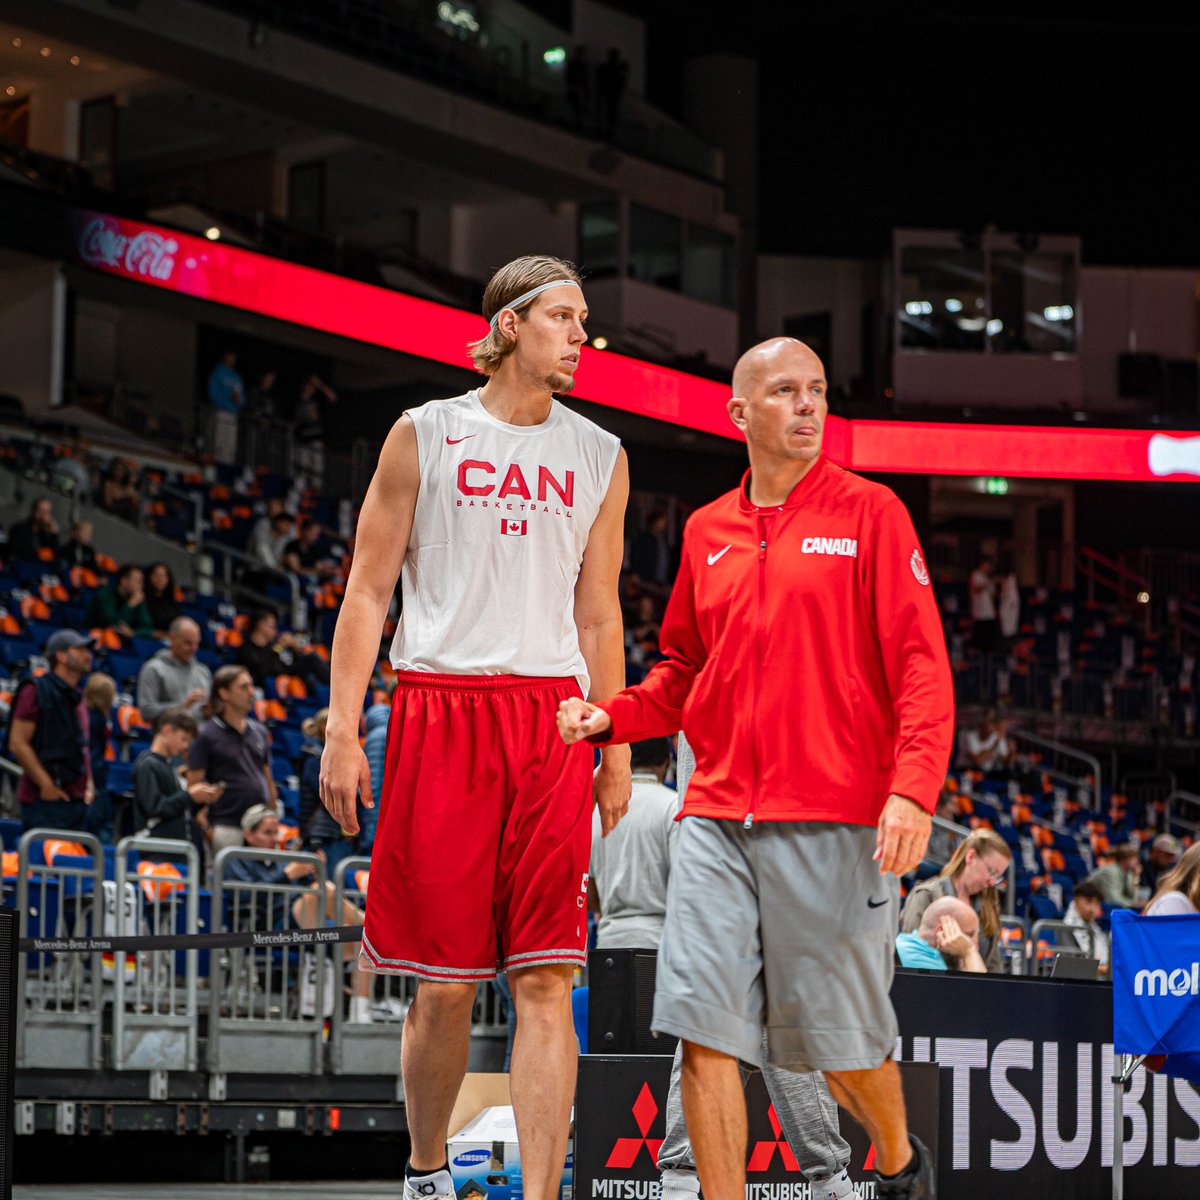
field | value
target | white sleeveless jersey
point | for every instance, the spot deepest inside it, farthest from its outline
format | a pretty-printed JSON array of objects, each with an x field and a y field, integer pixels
[{"x": 502, "y": 518}]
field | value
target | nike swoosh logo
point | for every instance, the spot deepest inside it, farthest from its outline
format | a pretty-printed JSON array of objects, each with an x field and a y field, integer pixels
[
  {"x": 713, "y": 558},
  {"x": 876, "y": 903},
  {"x": 454, "y": 441}
]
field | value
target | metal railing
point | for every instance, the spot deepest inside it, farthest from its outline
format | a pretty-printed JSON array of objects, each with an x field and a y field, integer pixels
[
  {"x": 1181, "y": 814},
  {"x": 1064, "y": 762},
  {"x": 267, "y": 1002},
  {"x": 155, "y": 992},
  {"x": 360, "y": 1048},
  {"x": 61, "y": 993},
  {"x": 1065, "y": 942}
]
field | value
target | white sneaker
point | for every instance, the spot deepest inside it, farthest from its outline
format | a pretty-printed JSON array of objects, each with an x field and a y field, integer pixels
[
  {"x": 389, "y": 1009},
  {"x": 437, "y": 1186}
]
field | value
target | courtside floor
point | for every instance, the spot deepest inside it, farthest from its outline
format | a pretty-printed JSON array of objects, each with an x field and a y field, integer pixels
[{"x": 323, "y": 1190}]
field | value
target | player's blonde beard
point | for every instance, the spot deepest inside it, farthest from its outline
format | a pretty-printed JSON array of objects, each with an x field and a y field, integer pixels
[{"x": 559, "y": 381}]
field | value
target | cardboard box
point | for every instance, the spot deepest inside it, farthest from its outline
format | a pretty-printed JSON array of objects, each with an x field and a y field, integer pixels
[{"x": 482, "y": 1149}]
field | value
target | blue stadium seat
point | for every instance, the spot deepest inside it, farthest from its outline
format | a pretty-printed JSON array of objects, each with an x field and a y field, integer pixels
[{"x": 120, "y": 777}]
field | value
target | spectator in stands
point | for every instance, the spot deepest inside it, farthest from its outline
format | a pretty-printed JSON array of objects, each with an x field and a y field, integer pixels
[
  {"x": 226, "y": 398},
  {"x": 612, "y": 75},
  {"x": 982, "y": 587},
  {"x": 160, "y": 598},
  {"x": 307, "y": 554},
  {"x": 977, "y": 866},
  {"x": 232, "y": 749},
  {"x": 260, "y": 825},
  {"x": 32, "y": 539},
  {"x": 174, "y": 677},
  {"x": 629, "y": 868},
  {"x": 162, "y": 802},
  {"x": 1085, "y": 910},
  {"x": 322, "y": 834},
  {"x": 121, "y": 605},
  {"x": 271, "y": 534},
  {"x": 947, "y": 938},
  {"x": 266, "y": 653},
  {"x": 1179, "y": 891},
  {"x": 1119, "y": 881},
  {"x": 69, "y": 471},
  {"x": 1008, "y": 605},
  {"x": 375, "y": 748},
  {"x": 263, "y": 404},
  {"x": 98, "y": 695},
  {"x": 1164, "y": 854},
  {"x": 118, "y": 493},
  {"x": 579, "y": 86},
  {"x": 48, "y": 737},
  {"x": 987, "y": 746},
  {"x": 650, "y": 555},
  {"x": 77, "y": 550},
  {"x": 310, "y": 428}
]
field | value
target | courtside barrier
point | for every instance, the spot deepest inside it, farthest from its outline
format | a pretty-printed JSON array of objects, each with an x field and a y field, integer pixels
[
  {"x": 268, "y": 999},
  {"x": 60, "y": 896}
]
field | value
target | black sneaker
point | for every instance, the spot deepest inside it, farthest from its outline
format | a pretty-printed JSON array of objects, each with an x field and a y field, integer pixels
[{"x": 915, "y": 1184}]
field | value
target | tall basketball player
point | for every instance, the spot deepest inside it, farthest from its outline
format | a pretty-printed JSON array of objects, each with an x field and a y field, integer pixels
[{"x": 503, "y": 513}]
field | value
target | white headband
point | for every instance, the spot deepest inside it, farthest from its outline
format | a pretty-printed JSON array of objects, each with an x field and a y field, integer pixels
[{"x": 529, "y": 295}]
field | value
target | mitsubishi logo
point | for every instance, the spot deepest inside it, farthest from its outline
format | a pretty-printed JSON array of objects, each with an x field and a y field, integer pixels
[
  {"x": 763, "y": 1152},
  {"x": 625, "y": 1150}
]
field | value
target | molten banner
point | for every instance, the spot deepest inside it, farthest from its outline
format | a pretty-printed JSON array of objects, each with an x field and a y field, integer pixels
[{"x": 1156, "y": 989}]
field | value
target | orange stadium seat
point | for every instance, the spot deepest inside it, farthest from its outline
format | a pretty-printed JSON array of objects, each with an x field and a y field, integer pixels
[
  {"x": 269, "y": 710},
  {"x": 10, "y": 864},
  {"x": 106, "y": 639},
  {"x": 129, "y": 718},
  {"x": 84, "y": 577},
  {"x": 290, "y": 687},
  {"x": 9, "y": 625},
  {"x": 106, "y": 563},
  {"x": 33, "y": 608},
  {"x": 55, "y": 848},
  {"x": 159, "y": 880}
]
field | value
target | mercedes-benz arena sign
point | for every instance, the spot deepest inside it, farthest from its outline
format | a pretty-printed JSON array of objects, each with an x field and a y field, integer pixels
[{"x": 251, "y": 282}]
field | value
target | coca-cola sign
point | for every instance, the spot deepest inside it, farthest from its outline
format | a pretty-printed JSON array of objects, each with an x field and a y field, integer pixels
[{"x": 103, "y": 243}]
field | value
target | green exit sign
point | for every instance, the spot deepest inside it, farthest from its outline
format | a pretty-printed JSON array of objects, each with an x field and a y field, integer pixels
[{"x": 996, "y": 486}]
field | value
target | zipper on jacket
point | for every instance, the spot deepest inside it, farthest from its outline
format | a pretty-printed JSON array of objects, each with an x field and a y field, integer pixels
[{"x": 748, "y": 819}]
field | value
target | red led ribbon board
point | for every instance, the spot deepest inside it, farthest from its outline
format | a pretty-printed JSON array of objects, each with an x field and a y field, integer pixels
[{"x": 242, "y": 279}]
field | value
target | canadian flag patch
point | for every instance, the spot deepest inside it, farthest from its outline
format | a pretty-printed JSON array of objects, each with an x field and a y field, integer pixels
[{"x": 513, "y": 528}]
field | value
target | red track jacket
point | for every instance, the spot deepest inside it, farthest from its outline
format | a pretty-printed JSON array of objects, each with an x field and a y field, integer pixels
[{"x": 805, "y": 658}]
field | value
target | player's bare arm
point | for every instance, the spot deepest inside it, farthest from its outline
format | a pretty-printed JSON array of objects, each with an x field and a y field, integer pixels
[
  {"x": 384, "y": 526},
  {"x": 601, "y": 637}
]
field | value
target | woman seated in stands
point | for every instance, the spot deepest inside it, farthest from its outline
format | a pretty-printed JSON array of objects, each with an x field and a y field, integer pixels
[
  {"x": 119, "y": 493},
  {"x": 1179, "y": 890},
  {"x": 267, "y": 910},
  {"x": 160, "y": 598},
  {"x": 976, "y": 867}
]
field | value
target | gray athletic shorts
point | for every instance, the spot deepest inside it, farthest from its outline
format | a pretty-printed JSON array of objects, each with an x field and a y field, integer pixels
[{"x": 787, "y": 925}]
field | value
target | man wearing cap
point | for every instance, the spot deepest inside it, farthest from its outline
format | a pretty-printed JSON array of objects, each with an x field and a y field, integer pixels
[
  {"x": 1164, "y": 854},
  {"x": 48, "y": 737}
]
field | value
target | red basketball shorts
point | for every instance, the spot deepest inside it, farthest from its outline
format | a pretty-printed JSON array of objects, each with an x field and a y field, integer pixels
[{"x": 484, "y": 831}]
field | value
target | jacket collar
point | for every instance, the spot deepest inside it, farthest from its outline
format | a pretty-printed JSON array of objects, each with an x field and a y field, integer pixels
[{"x": 796, "y": 497}]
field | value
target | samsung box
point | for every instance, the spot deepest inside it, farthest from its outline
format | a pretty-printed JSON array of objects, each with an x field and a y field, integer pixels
[{"x": 485, "y": 1159}]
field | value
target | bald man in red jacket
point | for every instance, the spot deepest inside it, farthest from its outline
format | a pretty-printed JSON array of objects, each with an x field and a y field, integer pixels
[{"x": 804, "y": 658}]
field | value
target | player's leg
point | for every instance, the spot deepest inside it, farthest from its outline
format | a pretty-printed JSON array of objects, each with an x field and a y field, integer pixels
[
  {"x": 714, "y": 1107},
  {"x": 542, "y": 1079},
  {"x": 808, "y": 1117},
  {"x": 431, "y": 894},
  {"x": 541, "y": 917},
  {"x": 709, "y": 992},
  {"x": 828, "y": 930},
  {"x": 433, "y": 1061}
]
